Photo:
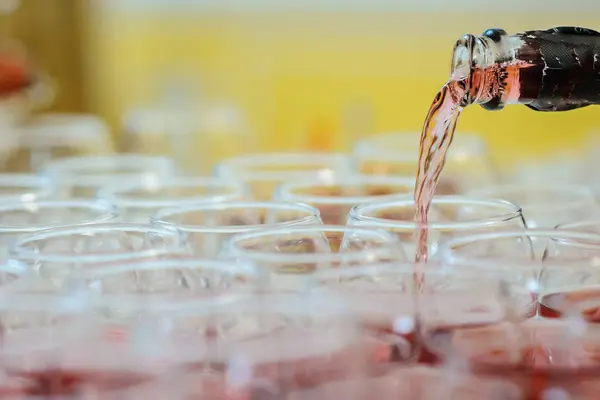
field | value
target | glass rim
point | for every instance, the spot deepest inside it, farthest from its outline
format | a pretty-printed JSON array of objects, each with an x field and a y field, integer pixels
[
  {"x": 577, "y": 194},
  {"x": 245, "y": 167},
  {"x": 300, "y": 303},
  {"x": 395, "y": 267},
  {"x": 117, "y": 193},
  {"x": 108, "y": 213},
  {"x": 78, "y": 165},
  {"x": 579, "y": 224},
  {"x": 40, "y": 186},
  {"x": 20, "y": 252},
  {"x": 52, "y": 126},
  {"x": 357, "y": 213},
  {"x": 286, "y": 191},
  {"x": 313, "y": 215},
  {"x": 392, "y": 245},
  {"x": 448, "y": 256},
  {"x": 216, "y": 265}
]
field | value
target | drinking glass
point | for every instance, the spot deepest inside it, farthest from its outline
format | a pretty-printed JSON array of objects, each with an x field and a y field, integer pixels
[
  {"x": 47, "y": 137},
  {"x": 55, "y": 254},
  {"x": 137, "y": 202},
  {"x": 58, "y": 347},
  {"x": 264, "y": 172},
  {"x": 570, "y": 277},
  {"x": 195, "y": 134},
  {"x": 552, "y": 354},
  {"x": 468, "y": 164},
  {"x": 551, "y": 262},
  {"x": 291, "y": 255},
  {"x": 382, "y": 298},
  {"x": 545, "y": 206},
  {"x": 208, "y": 225},
  {"x": 18, "y": 218},
  {"x": 249, "y": 347},
  {"x": 25, "y": 187},
  {"x": 168, "y": 279},
  {"x": 335, "y": 197},
  {"x": 84, "y": 176},
  {"x": 449, "y": 216}
]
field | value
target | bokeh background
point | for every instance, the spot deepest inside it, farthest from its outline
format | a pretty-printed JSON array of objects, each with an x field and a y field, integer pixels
[{"x": 207, "y": 79}]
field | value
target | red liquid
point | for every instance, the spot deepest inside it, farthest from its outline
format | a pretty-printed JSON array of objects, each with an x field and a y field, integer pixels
[
  {"x": 387, "y": 345},
  {"x": 582, "y": 302},
  {"x": 436, "y": 137},
  {"x": 14, "y": 77},
  {"x": 536, "y": 356},
  {"x": 54, "y": 382},
  {"x": 440, "y": 124}
]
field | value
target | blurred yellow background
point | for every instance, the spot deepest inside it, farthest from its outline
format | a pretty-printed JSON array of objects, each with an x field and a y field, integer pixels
[{"x": 305, "y": 74}]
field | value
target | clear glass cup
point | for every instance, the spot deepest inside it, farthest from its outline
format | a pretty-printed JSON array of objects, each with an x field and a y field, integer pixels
[
  {"x": 196, "y": 134},
  {"x": 264, "y": 172},
  {"x": 138, "y": 201},
  {"x": 335, "y": 197},
  {"x": 556, "y": 351},
  {"x": 59, "y": 347},
  {"x": 468, "y": 163},
  {"x": 84, "y": 176},
  {"x": 382, "y": 298},
  {"x": 551, "y": 262},
  {"x": 169, "y": 279},
  {"x": 291, "y": 255},
  {"x": 18, "y": 218},
  {"x": 50, "y": 136},
  {"x": 249, "y": 347},
  {"x": 207, "y": 226},
  {"x": 545, "y": 206},
  {"x": 449, "y": 216},
  {"x": 55, "y": 254},
  {"x": 25, "y": 187}
]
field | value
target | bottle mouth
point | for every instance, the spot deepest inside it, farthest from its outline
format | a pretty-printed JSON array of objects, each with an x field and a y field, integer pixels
[{"x": 462, "y": 57}]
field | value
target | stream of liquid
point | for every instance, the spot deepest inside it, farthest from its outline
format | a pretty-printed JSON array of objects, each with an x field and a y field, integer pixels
[{"x": 436, "y": 138}]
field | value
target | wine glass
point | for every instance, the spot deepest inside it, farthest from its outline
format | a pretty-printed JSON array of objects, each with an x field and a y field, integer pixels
[
  {"x": 335, "y": 197},
  {"x": 207, "y": 226},
  {"x": 25, "y": 187},
  {"x": 52, "y": 136},
  {"x": 290, "y": 255},
  {"x": 28, "y": 216},
  {"x": 545, "y": 206},
  {"x": 248, "y": 346},
  {"x": 171, "y": 278},
  {"x": 138, "y": 201},
  {"x": 264, "y": 172},
  {"x": 84, "y": 176},
  {"x": 382, "y": 298},
  {"x": 55, "y": 254},
  {"x": 449, "y": 216}
]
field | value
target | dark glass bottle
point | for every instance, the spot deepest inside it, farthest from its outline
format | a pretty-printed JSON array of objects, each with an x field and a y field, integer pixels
[{"x": 551, "y": 70}]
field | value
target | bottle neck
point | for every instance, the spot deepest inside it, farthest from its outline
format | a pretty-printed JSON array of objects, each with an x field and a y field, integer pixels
[{"x": 484, "y": 66}]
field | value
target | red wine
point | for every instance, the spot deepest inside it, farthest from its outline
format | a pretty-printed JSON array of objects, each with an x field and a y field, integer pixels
[
  {"x": 584, "y": 302},
  {"x": 537, "y": 356},
  {"x": 56, "y": 382}
]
